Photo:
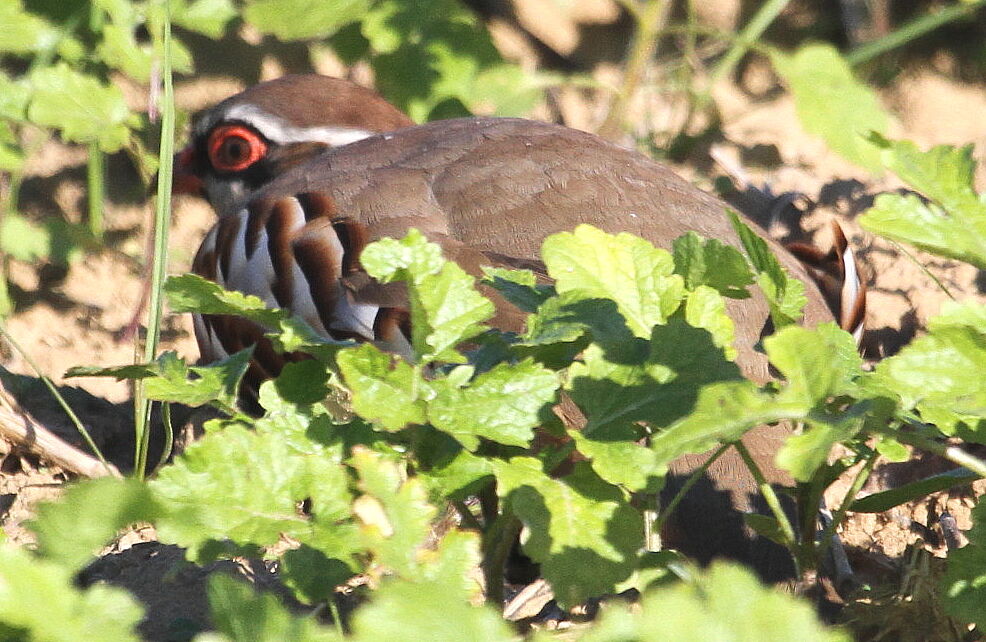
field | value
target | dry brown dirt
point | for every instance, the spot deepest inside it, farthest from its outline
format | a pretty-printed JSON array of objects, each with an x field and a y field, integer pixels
[{"x": 76, "y": 316}]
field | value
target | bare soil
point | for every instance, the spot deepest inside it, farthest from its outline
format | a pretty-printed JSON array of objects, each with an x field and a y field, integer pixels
[{"x": 77, "y": 316}]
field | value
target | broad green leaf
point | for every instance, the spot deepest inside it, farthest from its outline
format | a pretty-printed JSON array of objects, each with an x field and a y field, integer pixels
[
  {"x": 386, "y": 390},
  {"x": 456, "y": 475},
  {"x": 831, "y": 102},
  {"x": 660, "y": 387},
  {"x": 244, "y": 486},
  {"x": 435, "y": 59},
  {"x": 944, "y": 174},
  {"x": 15, "y": 95},
  {"x": 303, "y": 19},
  {"x": 818, "y": 363},
  {"x": 437, "y": 607},
  {"x": 410, "y": 259},
  {"x": 22, "y": 32},
  {"x": 446, "y": 309},
  {"x": 964, "y": 584},
  {"x": 239, "y": 612},
  {"x": 303, "y": 382},
  {"x": 72, "y": 530},
  {"x": 39, "y": 600},
  {"x": 555, "y": 321},
  {"x": 726, "y": 603},
  {"x": 723, "y": 412},
  {"x": 713, "y": 263},
  {"x": 705, "y": 308},
  {"x": 24, "y": 240},
  {"x": 80, "y": 107},
  {"x": 501, "y": 405},
  {"x": 218, "y": 381},
  {"x": 579, "y": 528},
  {"x": 953, "y": 224},
  {"x": 785, "y": 294},
  {"x": 614, "y": 397},
  {"x": 520, "y": 287},
  {"x": 192, "y": 293},
  {"x": 394, "y": 513},
  {"x": 169, "y": 378},
  {"x": 624, "y": 268},
  {"x": 207, "y": 17},
  {"x": 940, "y": 374}
]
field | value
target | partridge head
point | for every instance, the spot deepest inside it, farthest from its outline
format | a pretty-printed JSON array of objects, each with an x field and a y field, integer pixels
[{"x": 304, "y": 171}]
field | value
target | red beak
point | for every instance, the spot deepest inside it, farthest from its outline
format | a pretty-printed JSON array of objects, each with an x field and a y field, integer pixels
[{"x": 185, "y": 180}]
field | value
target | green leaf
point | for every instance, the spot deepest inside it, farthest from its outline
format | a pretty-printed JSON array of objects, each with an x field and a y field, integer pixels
[
  {"x": 15, "y": 95},
  {"x": 22, "y": 32},
  {"x": 501, "y": 405},
  {"x": 520, "y": 287},
  {"x": 207, "y": 17},
  {"x": 581, "y": 529},
  {"x": 386, "y": 390},
  {"x": 723, "y": 412},
  {"x": 218, "y": 381},
  {"x": 624, "y": 268},
  {"x": 785, "y": 294},
  {"x": 953, "y": 224},
  {"x": 244, "y": 486},
  {"x": 394, "y": 514},
  {"x": 660, "y": 386},
  {"x": 437, "y": 608},
  {"x": 724, "y": 603},
  {"x": 831, "y": 102},
  {"x": 92, "y": 512},
  {"x": 303, "y": 19},
  {"x": 940, "y": 374},
  {"x": 818, "y": 363},
  {"x": 712, "y": 263},
  {"x": 39, "y": 600},
  {"x": 24, "y": 240},
  {"x": 169, "y": 378},
  {"x": 964, "y": 584},
  {"x": 79, "y": 106},
  {"x": 304, "y": 382},
  {"x": 887, "y": 499},
  {"x": 239, "y": 612},
  {"x": 706, "y": 309},
  {"x": 446, "y": 309},
  {"x": 192, "y": 293}
]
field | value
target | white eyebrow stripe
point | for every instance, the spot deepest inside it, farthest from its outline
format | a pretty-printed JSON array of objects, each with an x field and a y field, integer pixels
[{"x": 278, "y": 131}]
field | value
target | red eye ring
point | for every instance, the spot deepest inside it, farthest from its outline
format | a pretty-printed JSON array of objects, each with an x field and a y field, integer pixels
[{"x": 233, "y": 148}]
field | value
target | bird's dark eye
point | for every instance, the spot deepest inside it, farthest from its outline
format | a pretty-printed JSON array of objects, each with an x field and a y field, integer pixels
[{"x": 233, "y": 148}]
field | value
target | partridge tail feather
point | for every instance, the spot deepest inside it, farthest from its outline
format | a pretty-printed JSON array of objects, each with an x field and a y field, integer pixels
[{"x": 839, "y": 278}]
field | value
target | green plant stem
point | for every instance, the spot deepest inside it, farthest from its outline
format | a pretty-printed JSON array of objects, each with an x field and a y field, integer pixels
[
  {"x": 162, "y": 218},
  {"x": 498, "y": 540},
  {"x": 846, "y": 504},
  {"x": 94, "y": 187},
  {"x": 953, "y": 454},
  {"x": 662, "y": 519},
  {"x": 650, "y": 18},
  {"x": 773, "y": 502},
  {"x": 746, "y": 40},
  {"x": 921, "y": 266},
  {"x": 750, "y": 34},
  {"x": 336, "y": 616},
  {"x": 911, "y": 31},
  {"x": 59, "y": 398}
]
